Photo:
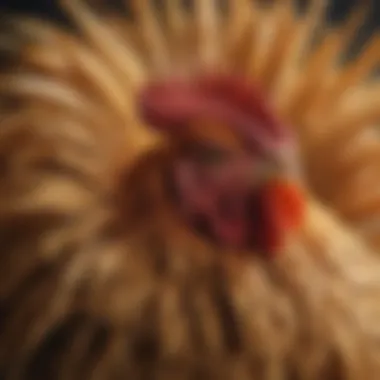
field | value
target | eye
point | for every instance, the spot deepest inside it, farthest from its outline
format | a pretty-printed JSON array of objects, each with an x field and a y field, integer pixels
[
  {"x": 209, "y": 154},
  {"x": 266, "y": 170}
]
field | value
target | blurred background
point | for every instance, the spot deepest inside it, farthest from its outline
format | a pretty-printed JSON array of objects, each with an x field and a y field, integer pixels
[
  {"x": 337, "y": 11},
  {"x": 49, "y": 8}
]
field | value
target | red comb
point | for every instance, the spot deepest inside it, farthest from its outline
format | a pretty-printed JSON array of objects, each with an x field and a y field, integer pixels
[
  {"x": 245, "y": 96},
  {"x": 173, "y": 104}
]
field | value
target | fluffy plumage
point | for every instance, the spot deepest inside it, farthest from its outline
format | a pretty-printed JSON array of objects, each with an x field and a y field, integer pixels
[{"x": 101, "y": 279}]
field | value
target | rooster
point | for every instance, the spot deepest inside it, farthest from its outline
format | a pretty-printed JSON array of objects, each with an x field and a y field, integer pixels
[{"x": 189, "y": 193}]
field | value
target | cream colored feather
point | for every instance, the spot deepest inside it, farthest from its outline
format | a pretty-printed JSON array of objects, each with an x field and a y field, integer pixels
[{"x": 96, "y": 256}]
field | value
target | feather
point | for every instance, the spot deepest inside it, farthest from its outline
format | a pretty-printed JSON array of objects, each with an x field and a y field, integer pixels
[{"x": 102, "y": 277}]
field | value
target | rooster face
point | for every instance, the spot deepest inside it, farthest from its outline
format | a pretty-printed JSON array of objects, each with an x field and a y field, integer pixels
[{"x": 235, "y": 171}]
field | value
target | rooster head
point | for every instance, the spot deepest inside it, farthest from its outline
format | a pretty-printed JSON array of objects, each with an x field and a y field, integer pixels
[{"x": 235, "y": 170}]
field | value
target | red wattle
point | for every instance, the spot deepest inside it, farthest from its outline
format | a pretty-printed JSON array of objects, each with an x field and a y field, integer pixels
[{"x": 284, "y": 211}]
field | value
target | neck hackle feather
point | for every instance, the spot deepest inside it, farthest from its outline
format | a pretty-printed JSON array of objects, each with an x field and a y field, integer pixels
[{"x": 102, "y": 278}]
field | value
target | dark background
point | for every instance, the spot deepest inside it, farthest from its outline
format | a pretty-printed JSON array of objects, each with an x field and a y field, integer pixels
[
  {"x": 338, "y": 9},
  {"x": 48, "y": 7}
]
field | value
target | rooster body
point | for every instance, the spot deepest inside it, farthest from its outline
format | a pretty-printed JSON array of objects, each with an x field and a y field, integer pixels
[{"x": 103, "y": 278}]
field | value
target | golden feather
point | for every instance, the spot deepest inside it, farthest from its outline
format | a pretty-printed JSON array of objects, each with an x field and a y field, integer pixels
[{"x": 101, "y": 280}]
